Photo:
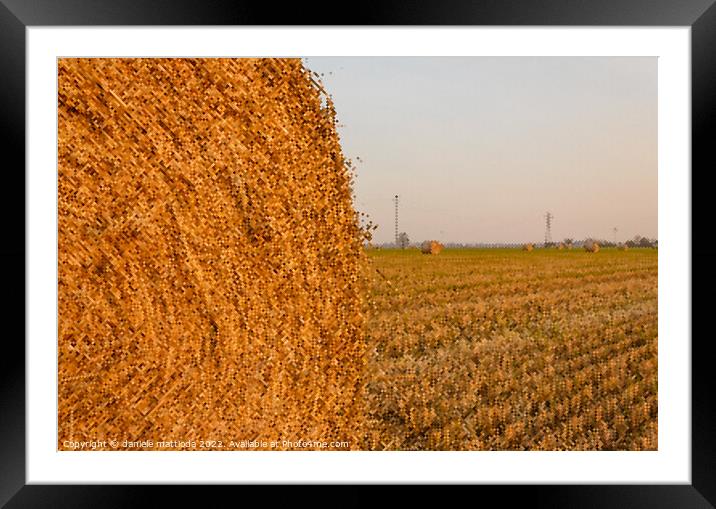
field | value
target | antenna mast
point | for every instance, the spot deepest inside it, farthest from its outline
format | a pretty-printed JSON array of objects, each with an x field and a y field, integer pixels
[
  {"x": 548, "y": 229},
  {"x": 396, "y": 220}
]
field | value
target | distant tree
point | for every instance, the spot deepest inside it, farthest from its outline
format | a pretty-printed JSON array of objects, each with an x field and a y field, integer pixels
[
  {"x": 639, "y": 241},
  {"x": 403, "y": 240},
  {"x": 644, "y": 242},
  {"x": 568, "y": 241}
]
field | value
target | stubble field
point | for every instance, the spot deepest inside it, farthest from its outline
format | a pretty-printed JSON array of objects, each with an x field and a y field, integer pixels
[{"x": 508, "y": 350}]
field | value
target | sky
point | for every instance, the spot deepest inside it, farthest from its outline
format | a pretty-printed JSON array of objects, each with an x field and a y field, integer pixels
[{"x": 480, "y": 148}]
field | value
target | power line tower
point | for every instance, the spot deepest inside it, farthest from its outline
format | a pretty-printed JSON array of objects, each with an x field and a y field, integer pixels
[
  {"x": 615, "y": 235},
  {"x": 548, "y": 229},
  {"x": 397, "y": 240}
]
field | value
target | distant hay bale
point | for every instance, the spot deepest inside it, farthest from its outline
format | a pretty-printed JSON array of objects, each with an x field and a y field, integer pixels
[
  {"x": 528, "y": 247},
  {"x": 210, "y": 258},
  {"x": 432, "y": 247},
  {"x": 591, "y": 247}
]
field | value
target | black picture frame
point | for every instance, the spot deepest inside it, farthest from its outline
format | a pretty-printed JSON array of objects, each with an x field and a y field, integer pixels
[{"x": 16, "y": 15}]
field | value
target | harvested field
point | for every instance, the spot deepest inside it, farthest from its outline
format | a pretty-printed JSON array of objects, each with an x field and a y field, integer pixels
[
  {"x": 213, "y": 288},
  {"x": 494, "y": 350}
]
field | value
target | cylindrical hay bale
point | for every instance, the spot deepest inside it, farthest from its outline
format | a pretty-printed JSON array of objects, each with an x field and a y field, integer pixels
[
  {"x": 528, "y": 247},
  {"x": 210, "y": 258},
  {"x": 432, "y": 247},
  {"x": 591, "y": 247}
]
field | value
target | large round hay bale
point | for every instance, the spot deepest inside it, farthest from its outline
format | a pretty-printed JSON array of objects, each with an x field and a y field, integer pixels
[
  {"x": 528, "y": 247},
  {"x": 591, "y": 246},
  {"x": 209, "y": 255},
  {"x": 432, "y": 247}
]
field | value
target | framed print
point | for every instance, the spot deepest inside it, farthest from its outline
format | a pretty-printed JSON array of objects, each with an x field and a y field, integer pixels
[{"x": 444, "y": 245}]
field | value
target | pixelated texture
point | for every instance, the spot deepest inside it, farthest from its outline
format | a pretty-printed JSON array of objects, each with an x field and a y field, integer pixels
[
  {"x": 210, "y": 259},
  {"x": 502, "y": 349},
  {"x": 212, "y": 286}
]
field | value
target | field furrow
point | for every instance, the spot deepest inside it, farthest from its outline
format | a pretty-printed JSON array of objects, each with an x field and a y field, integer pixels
[{"x": 507, "y": 350}]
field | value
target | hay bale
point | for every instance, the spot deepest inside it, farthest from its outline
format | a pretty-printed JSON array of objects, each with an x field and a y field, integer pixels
[
  {"x": 189, "y": 305},
  {"x": 528, "y": 247},
  {"x": 591, "y": 247},
  {"x": 432, "y": 247}
]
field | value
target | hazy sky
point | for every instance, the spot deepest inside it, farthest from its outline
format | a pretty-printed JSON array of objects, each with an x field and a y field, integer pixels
[{"x": 480, "y": 148}]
